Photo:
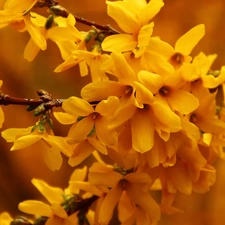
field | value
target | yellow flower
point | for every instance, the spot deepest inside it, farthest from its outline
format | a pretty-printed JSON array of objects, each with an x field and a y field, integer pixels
[
  {"x": 58, "y": 211},
  {"x": 133, "y": 17},
  {"x": 169, "y": 89},
  {"x": 185, "y": 45},
  {"x": 65, "y": 35},
  {"x": 136, "y": 186},
  {"x": 207, "y": 122},
  {"x": 55, "y": 212},
  {"x": 92, "y": 118},
  {"x": 43, "y": 140},
  {"x": 2, "y": 117}
]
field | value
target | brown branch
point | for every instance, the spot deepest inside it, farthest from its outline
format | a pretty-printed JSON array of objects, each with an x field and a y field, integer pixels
[{"x": 45, "y": 98}]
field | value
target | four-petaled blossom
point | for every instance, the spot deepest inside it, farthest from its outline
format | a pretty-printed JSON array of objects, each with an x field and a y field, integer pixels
[
  {"x": 136, "y": 186},
  {"x": 54, "y": 211},
  {"x": 49, "y": 145},
  {"x": 134, "y": 18}
]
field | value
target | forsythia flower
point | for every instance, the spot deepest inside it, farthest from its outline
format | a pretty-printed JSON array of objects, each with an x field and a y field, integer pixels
[
  {"x": 133, "y": 17},
  {"x": 50, "y": 146},
  {"x": 59, "y": 208},
  {"x": 135, "y": 185},
  {"x": 55, "y": 212}
]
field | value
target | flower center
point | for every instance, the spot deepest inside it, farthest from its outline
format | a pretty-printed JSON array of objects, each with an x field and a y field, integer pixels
[
  {"x": 177, "y": 59},
  {"x": 123, "y": 184},
  {"x": 164, "y": 91}
]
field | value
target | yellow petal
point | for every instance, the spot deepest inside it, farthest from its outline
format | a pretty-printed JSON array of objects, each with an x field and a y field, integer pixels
[
  {"x": 106, "y": 136},
  {"x": 51, "y": 155},
  {"x": 190, "y": 130},
  {"x": 18, "y": 6},
  {"x": 68, "y": 63},
  {"x": 123, "y": 14},
  {"x": 144, "y": 200},
  {"x": 59, "y": 143},
  {"x": 166, "y": 117},
  {"x": 98, "y": 145},
  {"x": 145, "y": 34},
  {"x": 123, "y": 70},
  {"x": 77, "y": 106},
  {"x": 58, "y": 210},
  {"x": 119, "y": 43},
  {"x": 2, "y": 118},
  {"x": 101, "y": 178},
  {"x": 31, "y": 50},
  {"x": 81, "y": 152},
  {"x": 102, "y": 90},
  {"x": 11, "y": 134},
  {"x": 143, "y": 95},
  {"x": 150, "y": 10},
  {"x": 108, "y": 205},
  {"x": 107, "y": 107},
  {"x": 37, "y": 208},
  {"x": 188, "y": 41},
  {"x": 139, "y": 178},
  {"x": 84, "y": 186},
  {"x": 142, "y": 131},
  {"x": 82, "y": 129},
  {"x": 5, "y": 218},
  {"x": 152, "y": 81},
  {"x": 210, "y": 81},
  {"x": 66, "y": 48},
  {"x": 25, "y": 141},
  {"x": 35, "y": 33},
  {"x": 183, "y": 101},
  {"x": 52, "y": 194},
  {"x": 121, "y": 116},
  {"x": 178, "y": 174},
  {"x": 65, "y": 118}
]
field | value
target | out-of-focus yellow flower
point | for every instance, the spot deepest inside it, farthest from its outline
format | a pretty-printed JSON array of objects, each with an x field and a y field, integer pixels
[
  {"x": 49, "y": 145},
  {"x": 2, "y": 117},
  {"x": 134, "y": 18},
  {"x": 136, "y": 186}
]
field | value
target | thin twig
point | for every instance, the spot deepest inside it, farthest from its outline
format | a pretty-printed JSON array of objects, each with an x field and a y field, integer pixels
[{"x": 46, "y": 99}]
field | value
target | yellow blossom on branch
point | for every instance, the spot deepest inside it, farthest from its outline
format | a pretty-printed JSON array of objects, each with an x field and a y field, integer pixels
[
  {"x": 135, "y": 185},
  {"x": 134, "y": 18},
  {"x": 44, "y": 141}
]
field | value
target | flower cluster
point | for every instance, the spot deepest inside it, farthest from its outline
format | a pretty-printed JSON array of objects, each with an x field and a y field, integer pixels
[{"x": 152, "y": 110}]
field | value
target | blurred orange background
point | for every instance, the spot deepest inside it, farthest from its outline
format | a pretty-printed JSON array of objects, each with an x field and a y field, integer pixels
[{"x": 22, "y": 79}]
